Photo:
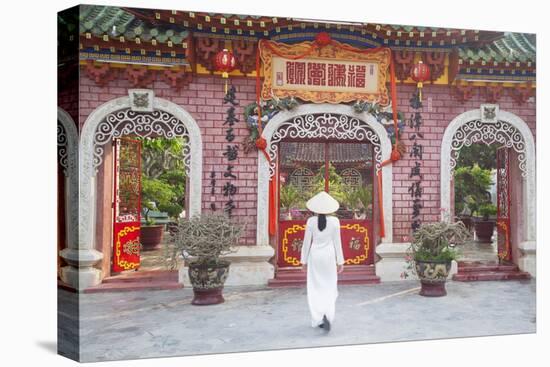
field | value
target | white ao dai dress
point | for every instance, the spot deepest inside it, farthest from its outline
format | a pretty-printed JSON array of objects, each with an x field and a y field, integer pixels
[{"x": 322, "y": 251}]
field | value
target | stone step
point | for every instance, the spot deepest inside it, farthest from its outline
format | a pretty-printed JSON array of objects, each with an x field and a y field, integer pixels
[
  {"x": 294, "y": 277},
  {"x": 476, "y": 268},
  {"x": 134, "y": 286},
  {"x": 490, "y": 275}
]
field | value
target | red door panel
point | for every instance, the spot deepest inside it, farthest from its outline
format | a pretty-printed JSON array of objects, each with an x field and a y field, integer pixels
[
  {"x": 356, "y": 243},
  {"x": 127, "y": 206}
]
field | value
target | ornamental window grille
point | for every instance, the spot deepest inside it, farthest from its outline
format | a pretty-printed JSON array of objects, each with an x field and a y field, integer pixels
[
  {"x": 302, "y": 179},
  {"x": 352, "y": 178}
]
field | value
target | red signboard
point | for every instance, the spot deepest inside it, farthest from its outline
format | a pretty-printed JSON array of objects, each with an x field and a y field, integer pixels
[
  {"x": 356, "y": 242},
  {"x": 127, "y": 205}
]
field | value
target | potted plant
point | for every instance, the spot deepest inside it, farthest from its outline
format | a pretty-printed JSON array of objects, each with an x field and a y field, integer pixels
[
  {"x": 431, "y": 252},
  {"x": 289, "y": 196},
  {"x": 162, "y": 185},
  {"x": 203, "y": 240},
  {"x": 153, "y": 191},
  {"x": 358, "y": 200},
  {"x": 485, "y": 226},
  {"x": 471, "y": 187}
]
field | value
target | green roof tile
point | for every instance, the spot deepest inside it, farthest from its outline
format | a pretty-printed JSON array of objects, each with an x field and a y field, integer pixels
[
  {"x": 115, "y": 22},
  {"x": 512, "y": 47}
]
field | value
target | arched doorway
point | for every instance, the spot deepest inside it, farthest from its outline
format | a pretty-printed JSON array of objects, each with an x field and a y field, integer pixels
[
  {"x": 489, "y": 125},
  {"x": 330, "y": 124},
  {"x": 142, "y": 117}
]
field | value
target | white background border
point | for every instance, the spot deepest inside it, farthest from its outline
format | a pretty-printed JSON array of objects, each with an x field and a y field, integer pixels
[{"x": 28, "y": 307}]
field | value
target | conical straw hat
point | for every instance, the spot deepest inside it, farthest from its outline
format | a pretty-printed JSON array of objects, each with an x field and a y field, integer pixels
[{"x": 322, "y": 203}]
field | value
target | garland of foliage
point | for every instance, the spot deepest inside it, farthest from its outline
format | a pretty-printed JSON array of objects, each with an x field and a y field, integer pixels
[{"x": 272, "y": 106}]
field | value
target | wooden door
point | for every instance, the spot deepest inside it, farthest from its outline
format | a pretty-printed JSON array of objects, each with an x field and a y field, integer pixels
[
  {"x": 309, "y": 167},
  {"x": 503, "y": 205},
  {"x": 127, "y": 205}
]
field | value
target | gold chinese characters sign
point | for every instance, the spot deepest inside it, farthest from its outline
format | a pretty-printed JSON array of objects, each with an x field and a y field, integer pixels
[{"x": 335, "y": 73}]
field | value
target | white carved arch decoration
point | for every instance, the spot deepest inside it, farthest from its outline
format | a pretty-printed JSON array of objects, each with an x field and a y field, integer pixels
[
  {"x": 126, "y": 121},
  {"x": 500, "y": 132},
  {"x": 324, "y": 126},
  {"x": 508, "y": 130},
  {"x": 323, "y": 121},
  {"x": 114, "y": 119},
  {"x": 67, "y": 150}
]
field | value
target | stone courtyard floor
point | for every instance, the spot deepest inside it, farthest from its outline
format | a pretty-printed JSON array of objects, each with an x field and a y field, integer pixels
[{"x": 131, "y": 325}]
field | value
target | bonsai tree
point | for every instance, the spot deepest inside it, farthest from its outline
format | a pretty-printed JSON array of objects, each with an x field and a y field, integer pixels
[
  {"x": 437, "y": 241},
  {"x": 163, "y": 176},
  {"x": 478, "y": 154},
  {"x": 431, "y": 252},
  {"x": 471, "y": 187},
  {"x": 486, "y": 211},
  {"x": 157, "y": 195},
  {"x": 202, "y": 240},
  {"x": 162, "y": 184}
]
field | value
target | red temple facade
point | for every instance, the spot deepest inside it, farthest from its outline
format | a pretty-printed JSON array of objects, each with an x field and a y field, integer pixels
[{"x": 329, "y": 109}]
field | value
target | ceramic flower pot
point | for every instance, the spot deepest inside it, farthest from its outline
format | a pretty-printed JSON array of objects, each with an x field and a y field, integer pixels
[
  {"x": 207, "y": 281},
  {"x": 484, "y": 230},
  {"x": 433, "y": 275},
  {"x": 151, "y": 237}
]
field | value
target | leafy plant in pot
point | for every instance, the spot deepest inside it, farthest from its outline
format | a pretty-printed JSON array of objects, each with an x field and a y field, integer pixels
[
  {"x": 471, "y": 185},
  {"x": 153, "y": 191},
  {"x": 162, "y": 186},
  {"x": 431, "y": 252},
  {"x": 289, "y": 197},
  {"x": 203, "y": 240},
  {"x": 485, "y": 226}
]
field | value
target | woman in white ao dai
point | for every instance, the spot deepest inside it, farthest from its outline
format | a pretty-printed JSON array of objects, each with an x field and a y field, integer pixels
[{"x": 322, "y": 259}]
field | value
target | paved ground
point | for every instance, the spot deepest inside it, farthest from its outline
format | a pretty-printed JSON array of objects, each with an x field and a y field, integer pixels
[
  {"x": 163, "y": 323},
  {"x": 476, "y": 251}
]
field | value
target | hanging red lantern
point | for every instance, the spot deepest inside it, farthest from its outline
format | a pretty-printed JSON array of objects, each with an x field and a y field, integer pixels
[
  {"x": 420, "y": 73},
  {"x": 225, "y": 62},
  {"x": 322, "y": 39}
]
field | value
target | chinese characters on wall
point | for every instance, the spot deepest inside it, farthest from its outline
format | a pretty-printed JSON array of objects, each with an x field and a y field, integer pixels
[
  {"x": 231, "y": 151},
  {"x": 415, "y": 188},
  {"x": 212, "y": 190}
]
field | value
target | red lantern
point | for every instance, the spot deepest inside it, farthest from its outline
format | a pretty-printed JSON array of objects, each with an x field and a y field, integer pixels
[
  {"x": 322, "y": 39},
  {"x": 225, "y": 62},
  {"x": 420, "y": 73}
]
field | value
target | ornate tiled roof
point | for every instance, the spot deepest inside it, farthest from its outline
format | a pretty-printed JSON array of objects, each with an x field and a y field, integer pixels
[
  {"x": 174, "y": 38},
  {"x": 315, "y": 152},
  {"x": 511, "y": 57},
  {"x": 116, "y": 22},
  {"x": 513, "y": 47}
]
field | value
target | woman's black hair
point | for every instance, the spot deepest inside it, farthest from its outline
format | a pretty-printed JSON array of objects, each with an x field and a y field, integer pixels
[{"x": 321, "y": 222}]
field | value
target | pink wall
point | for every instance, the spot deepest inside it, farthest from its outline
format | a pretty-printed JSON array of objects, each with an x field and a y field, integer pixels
[
  {"x": 203, "y": 100},
  {"x": 444, "y": 108}
]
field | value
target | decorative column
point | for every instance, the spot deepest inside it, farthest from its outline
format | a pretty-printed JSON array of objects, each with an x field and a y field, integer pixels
[{"x": 79, "y": 273}]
